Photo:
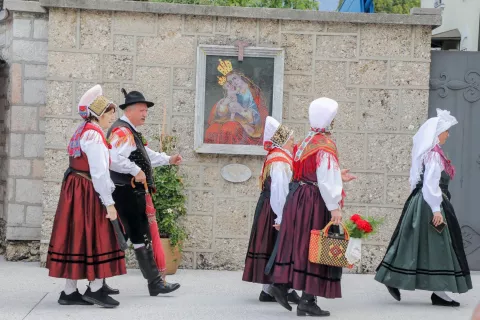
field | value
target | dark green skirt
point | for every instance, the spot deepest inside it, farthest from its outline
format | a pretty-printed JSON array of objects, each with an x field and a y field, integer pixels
[{"x": 419, "y": 257}]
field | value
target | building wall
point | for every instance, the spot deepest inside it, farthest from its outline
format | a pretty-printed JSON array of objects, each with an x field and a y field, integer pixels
[
  {"x": 5, "y": 34},
  {"x": 25, "y": 128},
  {"x": 430, "y": 4},
  {"x": 468, "y": 24},
  {"x": 378, "y": 72}
]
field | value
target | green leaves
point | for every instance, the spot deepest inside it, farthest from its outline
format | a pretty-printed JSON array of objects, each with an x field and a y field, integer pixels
[
  {"x": 170, "y": 199},
  {"x": 290, "y": 4},
  {"x": 396, "y": 6},
  {"x": 355, "y": 232},
  {"x": 387, "y": 6}
]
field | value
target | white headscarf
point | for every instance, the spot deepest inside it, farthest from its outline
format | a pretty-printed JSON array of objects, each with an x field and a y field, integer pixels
[
  {"x": 321, "y": 112},
  {"x": 426, "y": 139},
  {"x": 271, "y": 125},
  {"x": 275, "y": 134}
]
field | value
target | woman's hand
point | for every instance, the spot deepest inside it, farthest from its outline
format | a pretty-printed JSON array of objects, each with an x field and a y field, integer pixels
[
  {"x": 277, "y": 227},
  {"x": 111, "y": 212},
  {"x": 346, "y": 176},
  {"x": 437, "y": 219},
  {"x": 336, "y": 216}
]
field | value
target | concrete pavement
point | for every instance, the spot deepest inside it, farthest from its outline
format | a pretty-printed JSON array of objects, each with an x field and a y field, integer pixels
[{"x": 26, "y": 292}]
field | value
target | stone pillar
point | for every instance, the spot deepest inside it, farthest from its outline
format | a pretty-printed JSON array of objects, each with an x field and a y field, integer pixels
[{"x": 24, "y": 124}]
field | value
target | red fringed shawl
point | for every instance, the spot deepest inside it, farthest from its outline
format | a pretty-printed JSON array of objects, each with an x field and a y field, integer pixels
[
  {"x": 447, "y": 164},
  {"x": 312, "y": 154},
  {"x": 274, "y": 155}
]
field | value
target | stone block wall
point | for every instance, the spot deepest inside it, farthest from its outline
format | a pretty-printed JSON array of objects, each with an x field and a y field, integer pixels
[
  {"x": 25, "y": 127},
  {"x": 5, "y": 33},
  {"x": 378, "y": 72}
]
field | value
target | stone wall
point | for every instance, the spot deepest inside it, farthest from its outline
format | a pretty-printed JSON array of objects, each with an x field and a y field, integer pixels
[
  {"x": 378, "y": 72},
  {"x": 376, "y": 66},
  {"x": 5, "y": 33},
  {"x": 23, "y": 108}
]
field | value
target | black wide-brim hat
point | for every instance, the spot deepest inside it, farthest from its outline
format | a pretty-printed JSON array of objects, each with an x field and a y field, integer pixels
[{"x": 134, "y": 97}]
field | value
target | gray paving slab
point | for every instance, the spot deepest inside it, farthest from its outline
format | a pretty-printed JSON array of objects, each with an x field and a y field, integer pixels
[{"x": 28, "y": 293}]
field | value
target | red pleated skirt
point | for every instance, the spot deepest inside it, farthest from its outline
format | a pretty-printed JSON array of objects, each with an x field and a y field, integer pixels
[
  {"x": 262, "y": 241},
  {"x": 303, "y": 212},
  {"x": 83, "y": 244}
]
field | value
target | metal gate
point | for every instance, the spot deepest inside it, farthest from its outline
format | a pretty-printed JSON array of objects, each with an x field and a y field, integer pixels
[{"x": 455, "y": 86}]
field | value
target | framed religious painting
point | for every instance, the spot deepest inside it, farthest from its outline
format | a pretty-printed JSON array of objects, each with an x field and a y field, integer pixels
[{"x": 236, "y": 90}]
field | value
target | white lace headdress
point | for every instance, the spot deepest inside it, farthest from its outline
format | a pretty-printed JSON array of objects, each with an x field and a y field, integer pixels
[{"x": 426, "y": 139}]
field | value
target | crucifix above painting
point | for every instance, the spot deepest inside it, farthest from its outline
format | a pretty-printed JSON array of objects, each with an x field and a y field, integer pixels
[{"x": 237, "y": 88}]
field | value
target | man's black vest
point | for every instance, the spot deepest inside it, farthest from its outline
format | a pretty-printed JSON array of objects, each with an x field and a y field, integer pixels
[{"x": 139, "y": 157}]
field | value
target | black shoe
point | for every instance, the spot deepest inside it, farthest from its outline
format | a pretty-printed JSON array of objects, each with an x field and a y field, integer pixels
[
  {"x": 158, "y": 286},
  {"x": 109, "y": 290},
  {"x": 280, "y": 293},
  {"x": 395, "y": 293},
  {"x": 310, "y": 308},
  {"x": 101, "y": 298},
  {"x": 293, "y": 297},
  {"x": 265, "y": 297},
  {"x": 437, "y": 301},
  {"x": 74, "y": 298}
]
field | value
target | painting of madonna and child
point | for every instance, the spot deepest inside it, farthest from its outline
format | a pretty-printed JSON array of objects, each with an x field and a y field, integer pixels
[{"x": 238, "y": 98}]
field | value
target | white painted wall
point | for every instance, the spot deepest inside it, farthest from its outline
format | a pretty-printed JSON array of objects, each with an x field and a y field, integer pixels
[
  {"x": 463, "y": 15},
  {"x": 427, "y": 4}
]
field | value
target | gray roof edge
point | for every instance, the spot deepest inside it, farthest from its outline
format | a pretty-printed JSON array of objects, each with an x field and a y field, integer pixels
[
  {"x": 416, "y": 17},
  {"x": 23, "y": 6}
]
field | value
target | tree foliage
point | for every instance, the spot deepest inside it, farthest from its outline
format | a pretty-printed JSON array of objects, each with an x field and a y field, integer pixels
[
  {"x": 396, "y": 6},
  {"x": 288, "y": 4}
]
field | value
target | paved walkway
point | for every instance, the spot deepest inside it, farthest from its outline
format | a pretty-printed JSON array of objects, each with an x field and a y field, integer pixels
[{"x": 26, "y": 292}]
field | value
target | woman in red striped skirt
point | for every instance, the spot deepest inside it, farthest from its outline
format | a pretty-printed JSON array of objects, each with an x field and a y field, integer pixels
[{"x": 83, "y": 244}]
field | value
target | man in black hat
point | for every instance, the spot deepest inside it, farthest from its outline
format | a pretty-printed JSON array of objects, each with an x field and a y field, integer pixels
[{"x": 132, "y": 159}]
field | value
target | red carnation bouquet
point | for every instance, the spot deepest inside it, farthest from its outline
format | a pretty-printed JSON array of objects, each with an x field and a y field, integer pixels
[{"x": 361, "y": 228}]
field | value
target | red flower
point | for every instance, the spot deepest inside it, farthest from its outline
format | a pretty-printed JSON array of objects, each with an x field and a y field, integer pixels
[
  {"x": 355, "y": 217},
  {"x": 368, "y": 227},
  {"x": 83, "y": 108},
  {"x": 364, "y": 225}
]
